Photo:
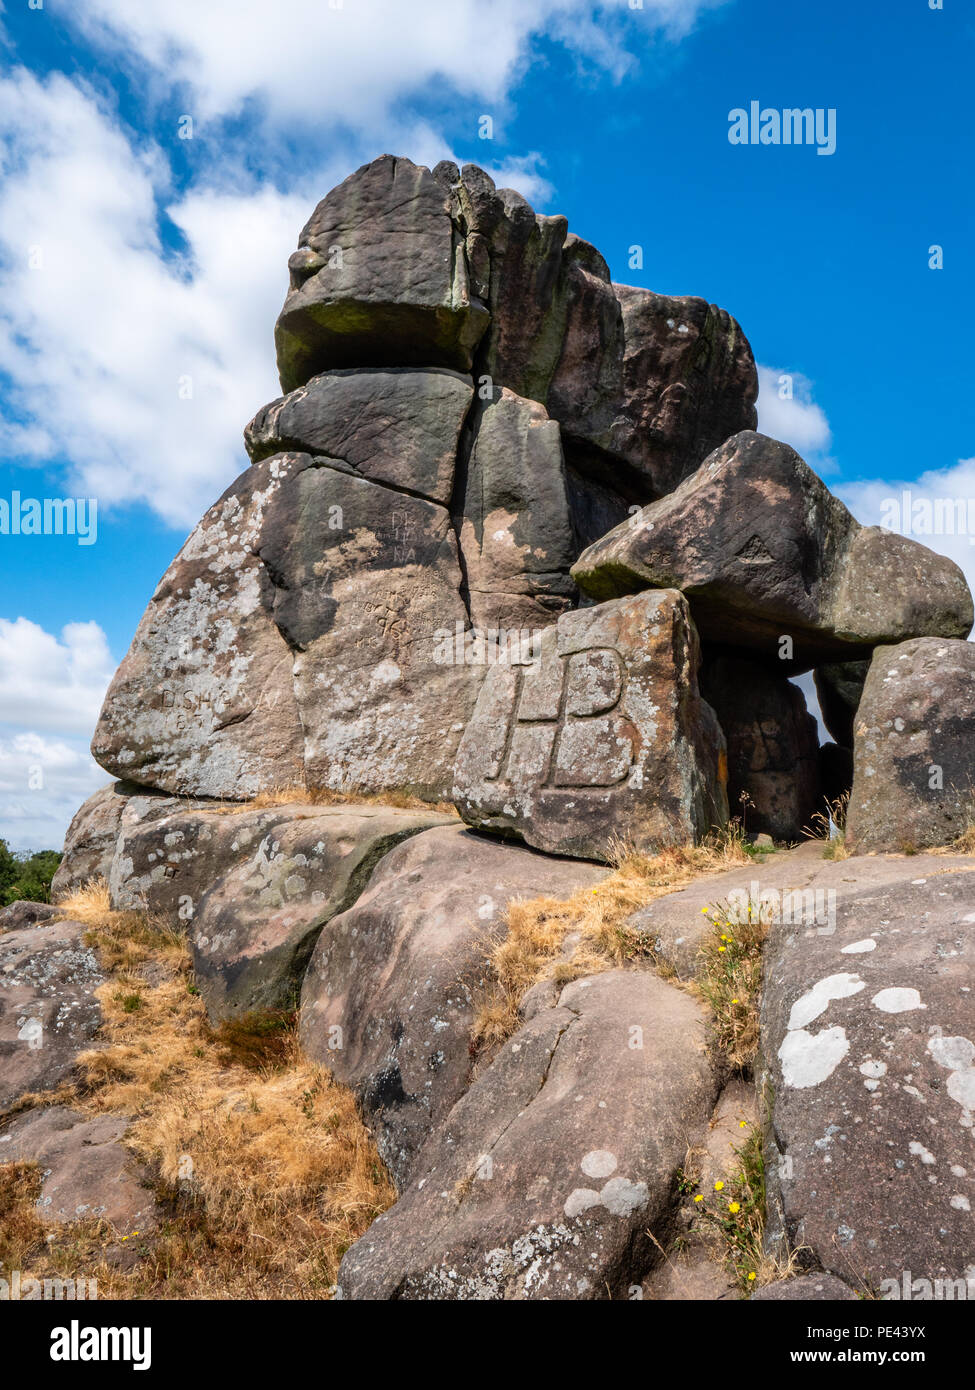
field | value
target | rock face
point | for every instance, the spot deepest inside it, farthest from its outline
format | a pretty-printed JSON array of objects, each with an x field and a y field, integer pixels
[
  {"x": 389, "y": 997},
  {"x": 258, "y": 921},
  {"x": 867, "y": 1042},
  {"x": 329, "y": 620},
  {"x": 48, "y": 1009},
  {"x": 689, "y": 383},
  {"x": 839, "y": 688},
  {"x": 914, "y": 755},
  {"x": 773, "y": 745},
  {"x": 765, "y": 552},
  {"x": 293, "y": 640},
  {"x": 547, "y": 1175},
  {"x": 515, "y": 525},
  {"x": 87, "y": 1171},
  {"x": 90, "y": 842},
  {"x": 564, "y": 751},
  {"x": 379, "y": 280},
  {"x": 254, "y": 888}
]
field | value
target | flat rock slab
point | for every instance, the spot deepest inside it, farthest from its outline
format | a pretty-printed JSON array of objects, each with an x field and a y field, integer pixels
[
  {"x": 914, "y": 751},
  {"x": 392, "y": 426},
  {"x": 764, "y": 551},
  {"x": 48, "y": 1009},
  {"x": 259, "y": 919},
  {"x": 807, "y": 1288},
  {"x": 389, "y": 996},
  {"x": 603, "y": 737},
  {"x": 86, "y": 1170},
  {"x": 545, "y": 1177},
  {"x": 797, "y": 882},
  {"x": 869, "y": 1046}
]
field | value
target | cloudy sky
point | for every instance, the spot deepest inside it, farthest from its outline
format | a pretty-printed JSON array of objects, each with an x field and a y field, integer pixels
[{"x": 134, "y": 260}]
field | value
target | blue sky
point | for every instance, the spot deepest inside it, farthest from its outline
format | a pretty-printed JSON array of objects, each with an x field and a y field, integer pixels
[{"x": 133, "y": 261}]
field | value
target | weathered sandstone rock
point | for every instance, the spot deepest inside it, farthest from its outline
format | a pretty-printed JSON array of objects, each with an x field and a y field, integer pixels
[
  {"x": 689, "y": 383},
  {"x": 514, "y": 525},
  {"x": 87, "y": 1173},
  {"x": 379, "y": 279},
  {"x": 258, "y": 920},
  {"x": 389, "y": 996},
  {"x": 914, "y": 755},
  {"x": 604, "y": 737},
  {"x": 90, "y": 841},
  {"x": 48, "y": 1009},
  {"x": 393, "y": 426},
  {"x": 867, "y": 1042},
  {"x": 839, "y": 687},
  {"x": 293, "y": 641},
  {"x": 764, "y": 552},
  {"x": 545, "y": 1178}
]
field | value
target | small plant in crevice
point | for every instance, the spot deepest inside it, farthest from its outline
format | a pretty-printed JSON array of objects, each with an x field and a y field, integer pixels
[{"x": 731, "y": 980}]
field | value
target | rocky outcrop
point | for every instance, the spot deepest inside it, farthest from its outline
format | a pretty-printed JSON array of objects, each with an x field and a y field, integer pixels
[
  {"x": 914, "y": 756},
  {"x": 48, "y": 1009},
  {"x": 562, "y": 751},
  {"x": 771, "y": 561},
  {"x": 253, "y": 889},
  {"x": 389, "y": 999},
  {"x": 773, "y": 745},
  {"x": 257, "y": 922},
  {"x": 867, "y": 1044},
  {"x": 548, "y": 1177}
]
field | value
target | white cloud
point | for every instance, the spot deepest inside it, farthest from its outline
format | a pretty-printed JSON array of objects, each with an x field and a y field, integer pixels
[
  {"x": 42, "y": 783},
  {"x": 939, "y": 510},
  {"x": 101, "y": 335},
  {"x": 787, "y": 411},
  {"x": 352, "y": 62},
  {"x": 55, "y": 684},
  {"x": 46, "y": 770}
]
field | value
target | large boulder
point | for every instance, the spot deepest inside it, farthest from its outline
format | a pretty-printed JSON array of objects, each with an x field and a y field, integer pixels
[
  {"x": 292, "y": 641},
  {"x": 689, "y": 383},
  {"x": 392, "y": 426},
  {"x": 551, "y": 1175},
  {"x": 257, "y": 923},
  {"x": 604, "y": 737},
  {"x": 869, "y": 1052},
  {"x": 773, "y": 745},
  {"x": 402, "y": 267},
  {"x": 48, "y": 1007},
  {"x": 765, "y": 552},
  {"x": 389, "y": 997},
  {"x": 204, "y": 703},
  {"x": 379, "y": 279},
  {"x": 914, "y": 754},
  {"x": 839, "y": 689}
]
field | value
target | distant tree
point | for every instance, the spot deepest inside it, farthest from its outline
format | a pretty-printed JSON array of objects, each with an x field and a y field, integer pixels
[{"x": 26, "y": 876}]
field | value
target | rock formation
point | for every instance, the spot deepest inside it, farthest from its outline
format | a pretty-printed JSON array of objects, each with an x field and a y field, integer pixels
[{"x": 509, "y": 540}]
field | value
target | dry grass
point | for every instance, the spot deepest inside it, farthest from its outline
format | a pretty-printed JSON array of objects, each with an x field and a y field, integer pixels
[
  {"x": 965, "y": 844},
  {"x": 564, "y": 939},
  {"x": 325, "y": 796},
  {"x": 262, "y": 1165},
  {"x": 829, "y": 825}
]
